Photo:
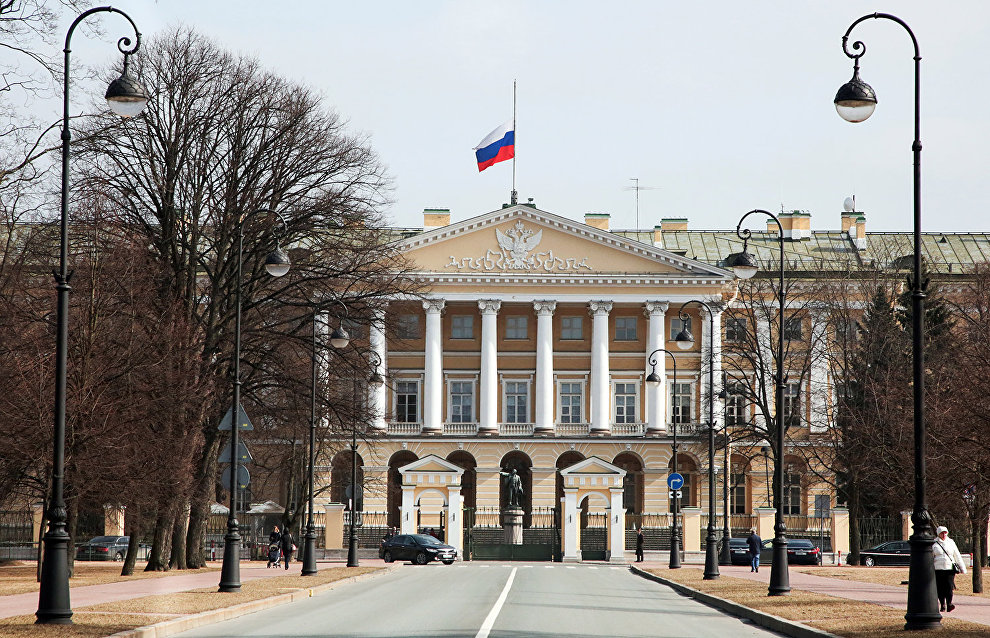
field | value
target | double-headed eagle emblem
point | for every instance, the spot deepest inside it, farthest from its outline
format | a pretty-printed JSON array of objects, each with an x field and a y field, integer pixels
[{"x": 516, "y": 244}]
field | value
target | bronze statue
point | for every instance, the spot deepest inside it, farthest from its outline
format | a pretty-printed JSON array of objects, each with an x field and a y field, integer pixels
[{"x": 513, "y": 485}]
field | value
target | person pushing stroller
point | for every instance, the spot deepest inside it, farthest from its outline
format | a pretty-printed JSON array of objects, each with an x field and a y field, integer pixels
[{"x": 274, "y": 547}]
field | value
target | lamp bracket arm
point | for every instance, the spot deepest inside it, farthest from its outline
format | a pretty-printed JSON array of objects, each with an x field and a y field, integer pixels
[{"x": 123, "y": 44}]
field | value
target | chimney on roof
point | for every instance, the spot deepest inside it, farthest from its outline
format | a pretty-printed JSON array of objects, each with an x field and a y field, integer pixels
[
  {"x": 854, "y": 223},
  {"x": 435, "y": 217},
  {"x": 597, "y": 220},
  {"x": 795, "y": 224},
  {"x": 674, "y": 223},
  {"x": 658, "y": 236}
]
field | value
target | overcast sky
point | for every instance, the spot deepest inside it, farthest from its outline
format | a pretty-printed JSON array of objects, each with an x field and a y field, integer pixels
[{"x": 717, "y": 106}]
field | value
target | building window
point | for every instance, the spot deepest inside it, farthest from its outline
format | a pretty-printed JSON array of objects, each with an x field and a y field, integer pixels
[
  {"x": 625, "y": 329},
  {"x": 571, "y": 328},
  {"x": 462, "y": 327},
  {"x": 407, "y": 402},
  {"x": 408, "y": 327},
  {"x": 517, "y": 327},
  {"x": 792, "y": 329},
  {"x": 676, "y": 325},
  {"x": 737, "y": 491},
  {"x": 625, "y": 402},
  {"x": 735, "y": 329},
  {"x": 516, "y": 402},
  {"x": 461, "y": 402},
  {"x": 571, "y": 399},
  {"x": 792, "y": 492},
  {"x": 846, "y": 331},
  {"x": 792, "y": 404},
  {"x": 735, "y": 405},
  {"x": 680, "y": 402}
]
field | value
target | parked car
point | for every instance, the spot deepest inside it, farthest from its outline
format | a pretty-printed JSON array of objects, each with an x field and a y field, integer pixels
[
  {"x": 103, "y": 548},
  {"x": 801, "y": 551},
  {"x": 419, "y": 548},
  {"x": 889, "y": 553}
]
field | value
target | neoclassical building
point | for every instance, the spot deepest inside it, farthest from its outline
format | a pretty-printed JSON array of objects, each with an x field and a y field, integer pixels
[{"x": 530, "y": 352}]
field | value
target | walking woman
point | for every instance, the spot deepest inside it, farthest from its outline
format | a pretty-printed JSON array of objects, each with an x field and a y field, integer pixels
[{"x": 948, "y": 562}]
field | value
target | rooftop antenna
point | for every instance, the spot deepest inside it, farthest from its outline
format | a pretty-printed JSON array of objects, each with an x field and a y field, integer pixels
[
  {"x": 849, "y": 205},
  {"x": 638, "y": 188}
]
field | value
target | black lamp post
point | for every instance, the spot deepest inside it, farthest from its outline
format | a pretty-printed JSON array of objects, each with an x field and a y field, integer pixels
[
  {"x": 276, "y": 264},
  {"x": 724, "y": 556},
  {"x": 745, "y": 267},
  {"x": 377, "y": 381},
  {"x": 685, "y": 340},
  {"x": 654, "y": 379},
  {"x": 338, "y": 339},
  {"x": 855, "y": 102},
  {"x": 127, "y": 98}
]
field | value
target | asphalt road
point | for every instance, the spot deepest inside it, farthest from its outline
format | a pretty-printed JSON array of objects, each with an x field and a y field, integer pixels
[{"x": 492, "y": 600}]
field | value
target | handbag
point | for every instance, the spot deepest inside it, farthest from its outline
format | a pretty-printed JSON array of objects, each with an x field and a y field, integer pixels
[
  {"x": 293, "y": 547},
  {"x": 957, "y": 568}
]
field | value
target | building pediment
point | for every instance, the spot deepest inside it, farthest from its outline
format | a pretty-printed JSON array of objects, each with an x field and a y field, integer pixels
[
  {"x": 431, "y": 464},
  {"x": 523, "y": 241},
  {"x": 593, "y": 466}
]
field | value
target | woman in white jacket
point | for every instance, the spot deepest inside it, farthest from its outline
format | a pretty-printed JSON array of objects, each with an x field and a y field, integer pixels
[{"x": 947, "y": 557}]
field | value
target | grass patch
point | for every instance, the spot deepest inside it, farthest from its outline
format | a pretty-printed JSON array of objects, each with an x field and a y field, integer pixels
[
  {"x": 836, "y": 615},
  {"x": 148, "y": 610},
  {"x": 22, "y": 579},
  {"x": 894, "y": 576}
]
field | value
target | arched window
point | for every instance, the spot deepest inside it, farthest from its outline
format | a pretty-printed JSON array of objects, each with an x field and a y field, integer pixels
[
  {"x": 469, "y": 489},
  {"x": 632, "y": 482},
  {"x": 738, "y": 503},
  {"x": 522, "y": 464},
  {"x": 687, "y": 468},
  {"x": 791, "y": 502},
  {"x": 394, "y": 496}
]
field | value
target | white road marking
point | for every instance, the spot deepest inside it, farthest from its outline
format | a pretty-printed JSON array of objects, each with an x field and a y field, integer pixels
[
  {"x": 570, "y": 567},
  {"x": 592, "y": 567},
  {"x": 486, "y": 626}
]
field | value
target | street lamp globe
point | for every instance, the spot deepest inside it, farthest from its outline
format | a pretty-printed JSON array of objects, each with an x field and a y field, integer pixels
[
  {"x": 125, "y": 95},
  {"x": 745, "y": 265},
  {"x": 684, "y": 339},
  {"x": 277, "y": 263},
  {"x": 653, "y": 379},
  {"x": 376, "y": 380},
  {"x": 855, "y": 100},
  {"x": 339, "y": 337}
]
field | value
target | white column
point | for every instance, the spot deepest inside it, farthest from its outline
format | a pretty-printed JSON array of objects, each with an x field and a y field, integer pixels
[
  {"x": 544, "y": 391},
  {"x": 766, "y": 355},
  {"x": 600, "y": 403},
  {"x": 617, "y": 526},
  {"x": 572, "y": 518},
  {"x": 377, "y": 394},
  {"x": 455, "y": 526},
  {"x": 407, "y": 515},
  {"x": 820, "y": 387},
  {"x": 433, "y": 373},
  {"x": 717, "y": 358},
  {"x": 488, "y": 402},
  {"x": 655, "y": 395}
]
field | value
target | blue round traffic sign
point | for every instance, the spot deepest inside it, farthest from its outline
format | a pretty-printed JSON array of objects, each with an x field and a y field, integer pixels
[{"x": 675, "y": 481}]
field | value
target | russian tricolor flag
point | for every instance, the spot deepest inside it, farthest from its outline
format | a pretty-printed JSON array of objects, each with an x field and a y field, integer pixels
[{"x": 498, "y": 146}]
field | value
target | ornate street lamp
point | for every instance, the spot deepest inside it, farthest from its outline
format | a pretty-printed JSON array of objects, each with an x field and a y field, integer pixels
[
  {"x": 745, "y": 266},
  {"x": 338, "y": 339},
  {"x": 724, "y": 556},
  {"x": 855, "y": 102},
  {"x": 685, "y": 340},
  {"x": 654, "y": 380},
  {"x": 276, "y": 264},
  {"x": 127, "y": 98},
  {"x": 375, "y": 380}
]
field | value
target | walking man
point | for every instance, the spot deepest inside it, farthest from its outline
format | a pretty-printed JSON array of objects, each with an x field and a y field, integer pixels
[
  {"x": 639, "y": 545},
  {"x": 755, "y": 548}
]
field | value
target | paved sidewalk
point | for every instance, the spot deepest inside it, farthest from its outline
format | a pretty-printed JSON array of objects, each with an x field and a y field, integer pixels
[
  {"x": 972, "y": 608},
  {"x": 26, "y": 604}
]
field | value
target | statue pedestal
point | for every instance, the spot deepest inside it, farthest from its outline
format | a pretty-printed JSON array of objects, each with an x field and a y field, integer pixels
[{"x": 512, "y": 523}]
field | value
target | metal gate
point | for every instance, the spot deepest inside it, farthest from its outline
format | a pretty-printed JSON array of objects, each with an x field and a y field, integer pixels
[
  {"x": 874, "y": 530},
  {"x": 484, "y": 537},
  {"x": 594, "y": 536}
]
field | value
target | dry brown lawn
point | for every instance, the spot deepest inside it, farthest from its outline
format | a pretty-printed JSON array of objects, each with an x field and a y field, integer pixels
[
  {"x": 895, "y": 576},
  {"x": 836, "y": 615},
  {"x": 22, "y": 579},
  {"x": 109, "y": 618}
]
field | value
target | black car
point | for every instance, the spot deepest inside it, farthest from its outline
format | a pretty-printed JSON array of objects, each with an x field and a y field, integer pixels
[
  {"x": 739, "y": 551},
  {"x": 801, "y": 551},
  {"x": 103, "y": 548},
  {"x": 890, "y": 553},
  {"x": 419, "y": 548}
]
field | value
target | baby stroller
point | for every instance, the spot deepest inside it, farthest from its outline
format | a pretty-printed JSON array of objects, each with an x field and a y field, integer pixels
[{"x": 274, "y": 554}]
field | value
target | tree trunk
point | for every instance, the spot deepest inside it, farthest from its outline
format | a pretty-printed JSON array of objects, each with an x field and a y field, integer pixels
[
  {"x": 41, "y": 536},
  {"x": 163, "y": 529},
  {"x": 854, "y": 511},
  {"x": 71, "y": 520},
  {"x": 177, "y": 559},
  {"x": 132, "y": 551},
  {"x": 977, "y": 527},
  {"x": 199, "y": 512}
]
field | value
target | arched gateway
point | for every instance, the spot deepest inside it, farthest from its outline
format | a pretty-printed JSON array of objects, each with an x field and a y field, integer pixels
[
  {"x": 597, "y": 479},
  {"x": 432, "y": 475}
]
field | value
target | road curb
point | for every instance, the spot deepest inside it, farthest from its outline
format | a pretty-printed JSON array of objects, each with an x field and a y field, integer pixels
[
  {"x": 763, "y": 619},
  {"x": 185, "y": 623}
]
